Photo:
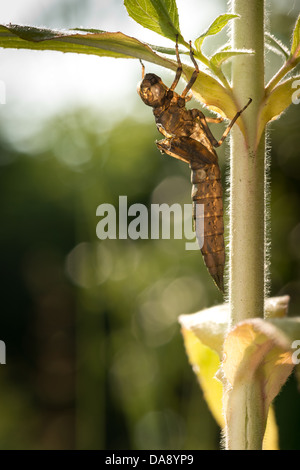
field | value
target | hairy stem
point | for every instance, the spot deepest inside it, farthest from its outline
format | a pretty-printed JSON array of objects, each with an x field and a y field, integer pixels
[{"x": 247, "y": 214}]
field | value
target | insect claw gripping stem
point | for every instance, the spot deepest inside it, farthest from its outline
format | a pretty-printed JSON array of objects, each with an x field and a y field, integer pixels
[{"x": 187, "y": 137}]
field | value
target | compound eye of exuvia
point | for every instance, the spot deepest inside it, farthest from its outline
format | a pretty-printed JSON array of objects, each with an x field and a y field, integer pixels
[
  {"x": 143, "y": 90},
  {"x": 157, "y": 91}
]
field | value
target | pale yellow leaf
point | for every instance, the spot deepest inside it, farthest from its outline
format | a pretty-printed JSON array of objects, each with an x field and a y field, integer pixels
[{"x": 205, "y": 363}]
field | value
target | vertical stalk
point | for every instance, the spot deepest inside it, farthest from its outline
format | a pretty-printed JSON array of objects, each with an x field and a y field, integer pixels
[
  {"x": 243, "y": 413},
  {"x": 247, "y": 199}
]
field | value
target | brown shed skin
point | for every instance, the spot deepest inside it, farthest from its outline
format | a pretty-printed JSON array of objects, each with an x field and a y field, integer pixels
[{"x": 186, "y": 139}]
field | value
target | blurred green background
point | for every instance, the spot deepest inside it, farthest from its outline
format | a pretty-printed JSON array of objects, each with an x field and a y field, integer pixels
[{"x": 95, "y": 358}]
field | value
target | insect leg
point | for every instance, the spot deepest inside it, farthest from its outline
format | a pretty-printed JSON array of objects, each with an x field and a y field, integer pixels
[
  {"x": 198, "y": 114},
  {"x": 188, "y": 97},
  {"x": 179, "y": 68},
  {"x": 231, "y": 124},
  {"x": 163, "y": 131},
  {"x": 214, "y": 120},
  {"x": 143, "y": 69},
  {"x": 194, "y": 75},
  {"x": 186, "y": 149},
  {"x": 204, "y": 121}
]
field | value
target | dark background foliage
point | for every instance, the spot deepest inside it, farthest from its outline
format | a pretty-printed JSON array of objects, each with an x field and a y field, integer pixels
[{"x": 95, "y": 358}]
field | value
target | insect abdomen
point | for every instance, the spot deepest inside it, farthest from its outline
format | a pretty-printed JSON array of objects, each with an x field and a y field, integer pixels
[{"x": 207, "y": 190}]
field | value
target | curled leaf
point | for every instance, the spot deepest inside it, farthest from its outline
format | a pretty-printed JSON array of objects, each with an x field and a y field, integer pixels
[{"x": 204, "y": 332}]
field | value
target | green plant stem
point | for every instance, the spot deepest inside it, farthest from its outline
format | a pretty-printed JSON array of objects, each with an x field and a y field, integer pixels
[{"x": 247, "y": 213}]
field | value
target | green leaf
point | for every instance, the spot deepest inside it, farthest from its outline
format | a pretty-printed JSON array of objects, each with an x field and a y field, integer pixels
[
  {"x": 160, "y": 16},
  {"x": 95, "y": 42},
  {"x": 207, "y": 89},
  {"x": 277, "y": 101},
  {"x": 276, "y": 46},
  {"x": 162, "y": 49},
  {"x": 214, "y": 28},
  {"x": 295, "y": 49},
  {"x": 30, "y": 33},
  {"x": 222, "y": 56}
]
